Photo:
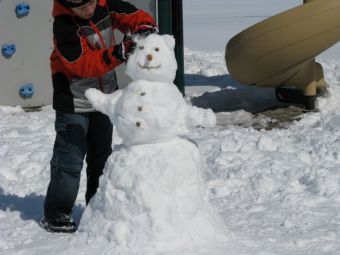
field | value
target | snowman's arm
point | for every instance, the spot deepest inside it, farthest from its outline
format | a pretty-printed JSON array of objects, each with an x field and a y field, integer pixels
[
  {"x": 104, "y": 103},
  {"x": 195, "y": 116}
]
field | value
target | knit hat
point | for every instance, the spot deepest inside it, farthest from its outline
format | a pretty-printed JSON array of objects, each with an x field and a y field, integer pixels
[{"x": 72, "y": 3}]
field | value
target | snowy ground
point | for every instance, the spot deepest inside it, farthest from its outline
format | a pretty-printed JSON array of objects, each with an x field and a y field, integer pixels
[{"x": 277, "y": 190}]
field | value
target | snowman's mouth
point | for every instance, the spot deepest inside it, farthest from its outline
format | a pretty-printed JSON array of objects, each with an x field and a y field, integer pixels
[{"x": 149, "y": 67}]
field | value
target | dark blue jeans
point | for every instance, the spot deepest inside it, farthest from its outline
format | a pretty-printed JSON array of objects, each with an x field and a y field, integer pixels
[{"x": 77, "y": 135}]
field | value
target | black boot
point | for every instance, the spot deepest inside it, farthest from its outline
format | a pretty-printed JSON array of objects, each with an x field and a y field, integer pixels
[{"x": 62, "y": 224}]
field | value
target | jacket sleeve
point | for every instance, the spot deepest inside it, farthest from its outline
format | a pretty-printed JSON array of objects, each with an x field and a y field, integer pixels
[
  {"x": 77, "y": 56},
  {"x": 127, "y": 17}
]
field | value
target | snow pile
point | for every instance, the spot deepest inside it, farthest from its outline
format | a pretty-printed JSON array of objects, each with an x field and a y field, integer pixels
[
  {"x": 281, "y": 187},
  {"x": 204, "y": 63},
  {"x": 152, "y": 195},
  {"x": 276, "y": 190},
  {"x": 23, "y": 153}
]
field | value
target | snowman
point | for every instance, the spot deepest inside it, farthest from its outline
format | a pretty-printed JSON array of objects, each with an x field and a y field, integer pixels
[{"x": 151, "y": 193}]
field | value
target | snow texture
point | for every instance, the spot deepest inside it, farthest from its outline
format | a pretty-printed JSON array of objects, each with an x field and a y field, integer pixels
[
  {"x": 152, "y": 194},
  {"x": 151, "y": 109},
  {"x": 277, "y": 190}
]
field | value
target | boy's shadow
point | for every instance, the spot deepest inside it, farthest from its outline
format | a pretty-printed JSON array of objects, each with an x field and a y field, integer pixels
[{"x": 30, "y": 206}]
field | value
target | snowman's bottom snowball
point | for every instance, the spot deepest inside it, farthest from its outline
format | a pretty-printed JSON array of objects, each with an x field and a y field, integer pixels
[{"x": 153, "y": 196}]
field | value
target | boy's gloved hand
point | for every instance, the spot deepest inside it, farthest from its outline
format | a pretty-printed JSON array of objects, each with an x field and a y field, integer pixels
[
  {"x": 123, "y": 50},
  {"x": 146, "y": 29}
]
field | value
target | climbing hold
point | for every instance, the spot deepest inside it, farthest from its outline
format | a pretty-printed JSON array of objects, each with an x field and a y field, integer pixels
[
  {"x": 22, "y": 9},
  {"x": 26, "y": 91},
  {"x": 8, "y": 50}
]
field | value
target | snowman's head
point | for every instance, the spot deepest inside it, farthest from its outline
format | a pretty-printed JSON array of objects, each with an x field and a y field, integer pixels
[{"x": 153, "y": 59}]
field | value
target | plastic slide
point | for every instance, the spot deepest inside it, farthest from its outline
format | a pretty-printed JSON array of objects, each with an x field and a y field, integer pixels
[{"x": 281, "y": 50}]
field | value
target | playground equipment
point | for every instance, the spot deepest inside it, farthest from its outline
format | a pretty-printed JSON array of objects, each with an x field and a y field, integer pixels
[
  {"x": 8, "y": 50},
  {"x": 280, "y": 51},
  {"x": 26, "y": 41},
  {"x": 22, "y": 9},
  {"x": 26, "y": 91}
]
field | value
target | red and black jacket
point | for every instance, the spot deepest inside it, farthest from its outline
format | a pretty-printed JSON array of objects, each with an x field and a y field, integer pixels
[{"x": 83, "y": 54}]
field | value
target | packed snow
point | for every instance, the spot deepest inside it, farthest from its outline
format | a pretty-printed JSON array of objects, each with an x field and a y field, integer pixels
[
  {"x": 150, "y": 197},
  {"x": 277, "y": 190}
]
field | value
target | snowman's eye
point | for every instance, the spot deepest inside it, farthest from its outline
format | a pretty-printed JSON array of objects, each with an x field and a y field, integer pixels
[
  {"x": 157, "y": 49},
  {"x": 141, "y": 47}
]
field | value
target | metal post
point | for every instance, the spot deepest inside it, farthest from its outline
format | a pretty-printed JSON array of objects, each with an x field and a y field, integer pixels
[
  {"x": 165, "y": 16},
  {"x": 177, "y": 29},
  {"x": 170, "y": 21}
]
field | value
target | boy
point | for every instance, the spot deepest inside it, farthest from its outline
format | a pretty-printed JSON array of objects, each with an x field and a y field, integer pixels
[{"x": 84, "y": 56}]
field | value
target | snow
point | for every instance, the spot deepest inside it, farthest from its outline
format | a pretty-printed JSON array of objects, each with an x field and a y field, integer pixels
[
  {"x": 151, "y": 198},
  {"x": 162, "y": 68},
  {"x": 276, "y": 189}
]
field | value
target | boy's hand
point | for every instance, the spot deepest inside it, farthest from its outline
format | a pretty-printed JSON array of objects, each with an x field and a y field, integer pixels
[
  {"x": 146, "y": 29},
  {"x": 129, "y": 46},
  {"x": 123, "y": 50}
]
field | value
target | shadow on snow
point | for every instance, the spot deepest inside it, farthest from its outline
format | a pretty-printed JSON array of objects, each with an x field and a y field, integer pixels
[
  {"x": 229, "y": 95},
  {"x": 30, "y": 207}
]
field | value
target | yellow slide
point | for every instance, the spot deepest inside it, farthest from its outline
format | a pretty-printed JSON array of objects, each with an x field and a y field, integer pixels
[{"x": 281, "y": 50}]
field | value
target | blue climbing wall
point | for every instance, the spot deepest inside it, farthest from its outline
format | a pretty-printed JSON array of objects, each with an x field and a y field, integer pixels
[
  {"x": 25, "y": 32},
  {"x": 26, "y": 45}
]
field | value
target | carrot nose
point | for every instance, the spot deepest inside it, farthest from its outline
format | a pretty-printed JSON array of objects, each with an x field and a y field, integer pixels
[{"x": 149, "y": 57}]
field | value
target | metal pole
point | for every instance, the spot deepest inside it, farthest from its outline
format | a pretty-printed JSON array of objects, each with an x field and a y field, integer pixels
[
  {"x": 170, "y": 21},
  {"x": 165, "y": 16},
  {"x": 177, "y": 29}
]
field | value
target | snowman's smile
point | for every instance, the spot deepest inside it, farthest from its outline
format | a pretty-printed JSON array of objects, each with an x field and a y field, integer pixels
[{"x": 148, "y": 67}]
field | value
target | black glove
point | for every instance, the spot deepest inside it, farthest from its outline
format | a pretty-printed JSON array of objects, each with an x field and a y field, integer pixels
[
  {"x": 146, "y": 29},
  {"x": 123, "y": 50}
]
